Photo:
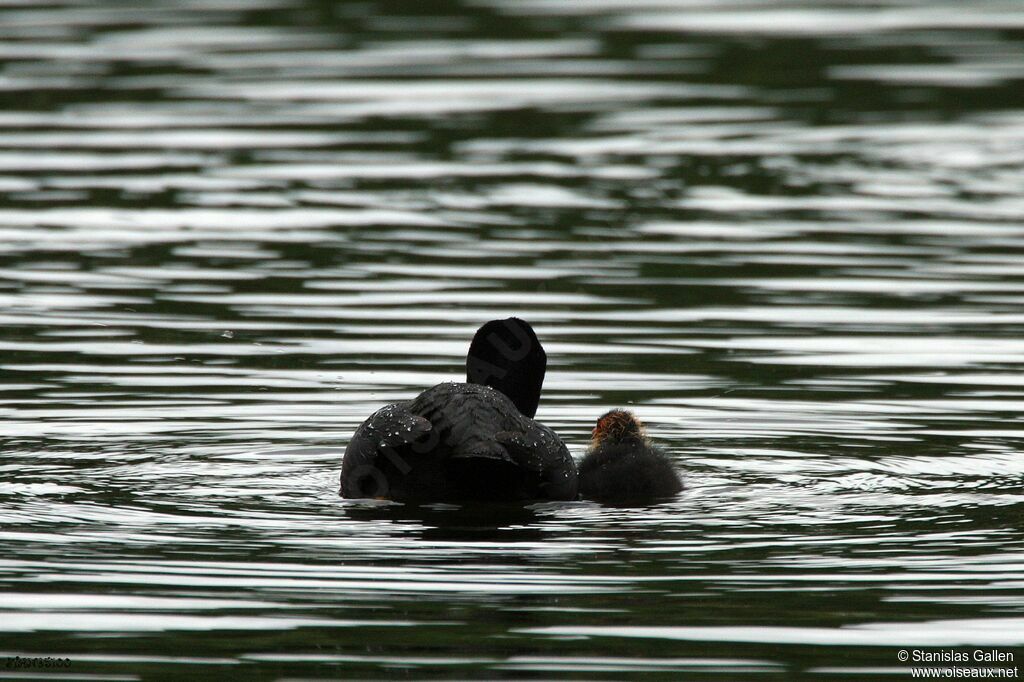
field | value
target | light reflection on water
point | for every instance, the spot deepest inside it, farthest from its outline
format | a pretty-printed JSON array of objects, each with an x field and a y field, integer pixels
[{"x": 787, "y": 234}]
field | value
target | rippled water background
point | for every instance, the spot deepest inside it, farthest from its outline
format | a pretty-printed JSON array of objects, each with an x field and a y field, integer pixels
[{"x": 789, "y": 234}]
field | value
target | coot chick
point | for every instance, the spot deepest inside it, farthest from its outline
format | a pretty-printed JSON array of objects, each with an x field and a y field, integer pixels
[
  {"x": 622, "y": 467},
  {"x": 467, "y": 441}
]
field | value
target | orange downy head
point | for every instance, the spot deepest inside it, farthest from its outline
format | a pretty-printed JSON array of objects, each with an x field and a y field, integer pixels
[{"x": 617, "y": 426}]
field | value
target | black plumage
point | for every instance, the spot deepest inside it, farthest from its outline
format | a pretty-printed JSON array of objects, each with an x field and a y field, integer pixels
[{"x": 472, "y": 441}]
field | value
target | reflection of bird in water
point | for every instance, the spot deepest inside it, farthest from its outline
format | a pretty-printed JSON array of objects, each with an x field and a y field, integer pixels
[
  {"x": 468, "y": 522},
  {"x": 471, "y": 441},
  {"x": 622, "y": 467}
]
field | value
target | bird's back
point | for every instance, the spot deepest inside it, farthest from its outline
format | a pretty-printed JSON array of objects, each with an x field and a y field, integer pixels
[
  {"x": 465, "y": 418},
  {"x": 456, "y": 442},
  {"x": 627, "y": 473}
]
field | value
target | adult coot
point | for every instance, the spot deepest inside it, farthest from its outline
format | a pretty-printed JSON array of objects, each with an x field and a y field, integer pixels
[
  {"x": 622, "y": 467},
  {"x": 471, "y": 441}
]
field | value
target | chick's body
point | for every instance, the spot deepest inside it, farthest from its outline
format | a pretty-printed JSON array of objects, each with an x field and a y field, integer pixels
[{"x": 622, "y": 467}]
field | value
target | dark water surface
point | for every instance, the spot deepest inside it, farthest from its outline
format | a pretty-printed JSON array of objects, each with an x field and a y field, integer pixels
[{"x": 789, "y": 234}]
